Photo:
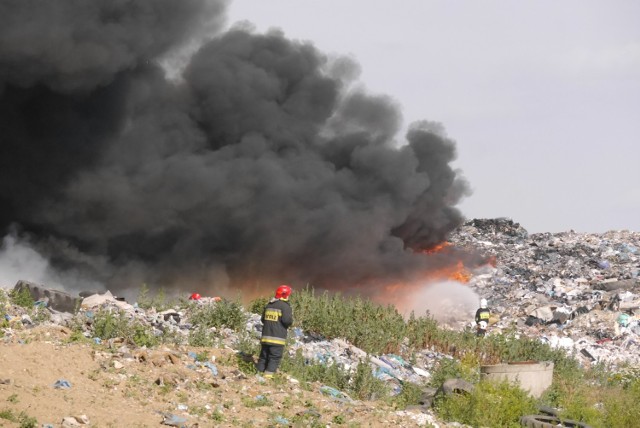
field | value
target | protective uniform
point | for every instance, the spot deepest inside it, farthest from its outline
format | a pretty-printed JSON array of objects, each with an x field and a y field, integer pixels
[
  {"x": 277, "y": 317},
  {"x": 482, "y": 318}
]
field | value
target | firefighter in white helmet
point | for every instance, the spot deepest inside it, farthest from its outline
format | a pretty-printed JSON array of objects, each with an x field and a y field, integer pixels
[{"x": 482, "y": 318}]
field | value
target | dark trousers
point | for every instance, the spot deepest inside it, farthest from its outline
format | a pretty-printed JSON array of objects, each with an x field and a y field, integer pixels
[{"x": 270, "y": 357}]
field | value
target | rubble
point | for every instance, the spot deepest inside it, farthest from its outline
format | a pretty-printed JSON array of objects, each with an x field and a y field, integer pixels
[
  {"x": 576, "y": 292},
  {"x": 567, "y": 289},
  {"x": 54, "y": 299}
]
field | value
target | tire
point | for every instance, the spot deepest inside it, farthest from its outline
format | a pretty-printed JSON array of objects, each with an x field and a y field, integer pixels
[{"x": 544, "y": 421}]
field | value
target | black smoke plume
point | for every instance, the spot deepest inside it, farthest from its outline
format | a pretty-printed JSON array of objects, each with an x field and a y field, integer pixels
[{"x": 261, "y": 162}]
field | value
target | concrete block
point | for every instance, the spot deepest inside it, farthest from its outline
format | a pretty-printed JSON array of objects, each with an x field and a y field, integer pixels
[{"x": 534, "y": 377}]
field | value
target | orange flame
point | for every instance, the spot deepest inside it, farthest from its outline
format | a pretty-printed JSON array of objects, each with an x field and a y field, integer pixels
[{"x": 455, "y": 272}]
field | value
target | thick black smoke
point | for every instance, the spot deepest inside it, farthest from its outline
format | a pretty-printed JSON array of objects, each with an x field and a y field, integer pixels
[{"x": 262, "y": 163}]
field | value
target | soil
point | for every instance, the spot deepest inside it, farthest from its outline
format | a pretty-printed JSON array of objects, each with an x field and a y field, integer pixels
[{"x": 113, "y": 385}]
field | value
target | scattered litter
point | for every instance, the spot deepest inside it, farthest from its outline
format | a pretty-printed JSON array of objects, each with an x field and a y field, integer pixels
[
  {"x": 339, "y": 395},
  {"x": 281, "y": 420},
  {"x": 62, "y": 384},
  {"x": 174, "y": 421}
]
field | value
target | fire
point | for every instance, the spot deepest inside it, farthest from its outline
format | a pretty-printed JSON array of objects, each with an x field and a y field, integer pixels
[
  {"x": 460, "y": 274},
  {"x": 455, "y": 272},
  {"x": 441, "y": 290},
  {"x": 437, "y": 248},
  {"x": 402, "y": 294}
]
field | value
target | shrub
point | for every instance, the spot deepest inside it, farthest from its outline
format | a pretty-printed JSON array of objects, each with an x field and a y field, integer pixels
[
  {"x": 21, "y": 297},
  {"x": 257, "y": 306},
  {"x": 201, "y": 337},
  {"x": 448, "y": 368},
  {"x": 379, "y": 330},
  {"x": 490, "y": 404},
  {"x": 358, "y": 383},
  {"x": 221, "y": 314},
  {"x": 410, "y": 395},
  {"x": 109, "y": 325},
  {"x": 365, "y": 386},
  {"x": 158, "y": 301},
  {"x": 308, "y": 371},
  {"x": 622, "y": 406}
]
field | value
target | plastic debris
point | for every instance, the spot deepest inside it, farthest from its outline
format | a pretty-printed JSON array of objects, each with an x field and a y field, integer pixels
[
  {"x": 62, "y": 384},
  {"x": 281, "y": 420},
  {"x": 174, "y": 421},
  {"x": 330, "y": 391}
]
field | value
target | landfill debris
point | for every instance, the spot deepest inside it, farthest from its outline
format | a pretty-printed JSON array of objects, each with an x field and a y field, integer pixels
[
  {"x": 338, "y": 395},
  {"x": 62, "y": 384},
  {"x": 75, "y": 421},
  {"x": 576, "y": 292},
  {"x": 566, "y": 289},
  {"x": 174, "y": 420},
  {"x": 281, "y": 420},
  {"x": 97, "y": 300},
  {"x": 48, "y": 297}
]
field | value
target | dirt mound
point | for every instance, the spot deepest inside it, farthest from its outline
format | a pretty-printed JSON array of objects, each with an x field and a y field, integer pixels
[{"x": 47, "y": 376}]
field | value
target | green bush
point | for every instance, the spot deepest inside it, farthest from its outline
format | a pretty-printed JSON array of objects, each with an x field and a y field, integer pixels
[
  {"x": 305, "y": 370},
  {"x": 410, "y": 395},
  {"x": 597, "y": 397},
  {"x": 360, "y": 383},
  {"x": 201, "y": 337},
  {"x": 219, "y": 314},
  {"x": 21, "y": 297},
  {"x": 622, "y": 406},
  {"x": 491, "y": 404},
  {"x": 257, "y": 306},
  {"x": 109, "y": 325},
  {"x": 23, "y": 419},
  {"x": 158, "y": 301},
  {"x": 365, "y": 386},
  {"x": 448, "y": 368},
  {"x": 379, "y": 329}
]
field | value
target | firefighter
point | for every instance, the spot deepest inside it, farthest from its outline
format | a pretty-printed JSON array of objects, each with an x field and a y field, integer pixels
[
  {"x": 482, "y": 318},
  {"x": 277, "y": 317}
]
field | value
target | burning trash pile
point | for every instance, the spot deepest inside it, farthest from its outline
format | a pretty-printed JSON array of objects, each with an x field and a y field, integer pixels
[
  {"x": 575, "y": 291},
  {"x": 135, "y": 334}
]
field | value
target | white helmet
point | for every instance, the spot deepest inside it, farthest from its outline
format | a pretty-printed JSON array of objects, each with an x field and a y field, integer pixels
[{"x": 483, "y": 303}]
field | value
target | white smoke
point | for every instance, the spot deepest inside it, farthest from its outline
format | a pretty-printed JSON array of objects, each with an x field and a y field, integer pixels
[
  {"x": 19, "y": 260},
  {"x": 447, "y": 302}
]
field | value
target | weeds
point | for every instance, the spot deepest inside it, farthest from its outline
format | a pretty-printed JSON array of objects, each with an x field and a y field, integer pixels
[
  {"x": 201, "y": 337},
  {"x": 21, "y": 297},
  {"x": 109, "y": 325},
  {"x": 489, "y": 404},
  {"x": 158, "y": 301},
  {"x": 221, "y": 314},
  {"x": 379, "y": 329},
  {"x": 24, "y": 420},
  {"x": 258, "y": 401}
]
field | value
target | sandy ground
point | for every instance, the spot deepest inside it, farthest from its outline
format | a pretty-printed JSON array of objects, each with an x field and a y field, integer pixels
[{"x": 115, "y": 386}]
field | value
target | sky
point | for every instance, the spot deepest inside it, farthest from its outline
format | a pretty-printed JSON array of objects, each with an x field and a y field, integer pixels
[{"x": 541, "y": 97}]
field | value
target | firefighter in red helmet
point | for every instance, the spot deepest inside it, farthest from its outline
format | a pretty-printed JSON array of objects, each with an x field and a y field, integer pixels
[{"x": 277, "y": 317}]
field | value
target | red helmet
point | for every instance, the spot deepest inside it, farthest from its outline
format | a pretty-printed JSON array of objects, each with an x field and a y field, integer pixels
[
  {"x": 283, "y": 292},
  {"x": 195, "y": 296}
]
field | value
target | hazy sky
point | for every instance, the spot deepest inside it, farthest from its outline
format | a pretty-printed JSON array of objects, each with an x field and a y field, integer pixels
[{"x": 542, "y": 97}]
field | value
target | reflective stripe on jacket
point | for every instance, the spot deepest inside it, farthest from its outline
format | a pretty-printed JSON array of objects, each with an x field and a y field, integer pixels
[
  {"x": 483, "y": 314},
  {"x": 277, "y": 317}
]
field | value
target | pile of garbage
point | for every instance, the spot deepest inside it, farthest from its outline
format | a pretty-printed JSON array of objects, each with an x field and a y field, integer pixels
[{"x": 576, "y": 291}]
